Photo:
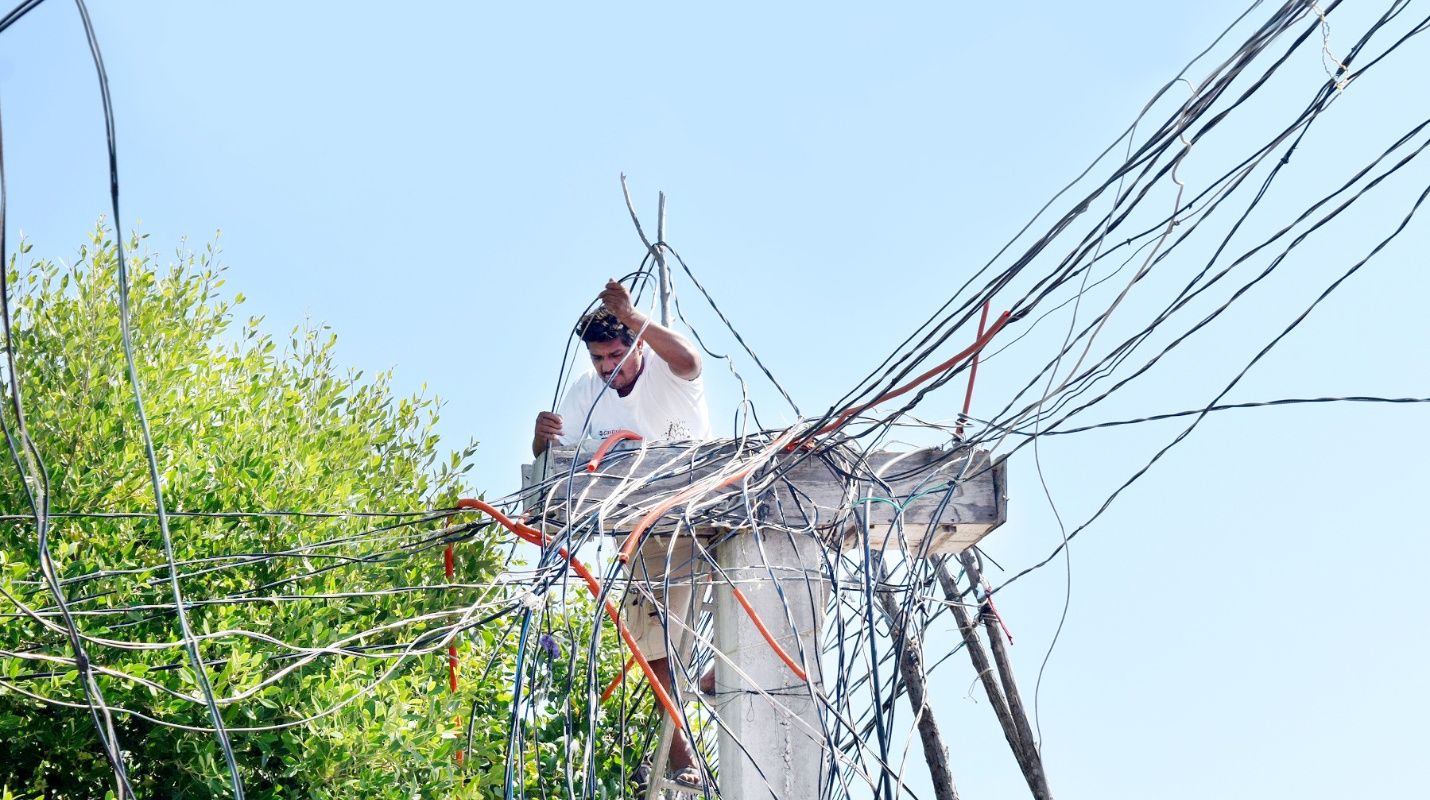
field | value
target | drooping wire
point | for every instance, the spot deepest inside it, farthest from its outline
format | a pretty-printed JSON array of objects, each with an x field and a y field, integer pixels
[
  {"x": 34, "y": 477},
  {"x": 192, "y": 645}
]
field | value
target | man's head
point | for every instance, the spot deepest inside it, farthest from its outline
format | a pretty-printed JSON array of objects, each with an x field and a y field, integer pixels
[{"x": 608, "y": 341}]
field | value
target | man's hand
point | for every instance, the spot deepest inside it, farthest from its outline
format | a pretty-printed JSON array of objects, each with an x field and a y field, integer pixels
[
  {"x": 669, "y": 346},
  {"x": 548, "y": 430},
  {"x": 617, "y": 300}
]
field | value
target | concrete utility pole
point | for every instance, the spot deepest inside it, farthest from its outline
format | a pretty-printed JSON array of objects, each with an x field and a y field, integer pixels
[{"x": 772, "y": 739}]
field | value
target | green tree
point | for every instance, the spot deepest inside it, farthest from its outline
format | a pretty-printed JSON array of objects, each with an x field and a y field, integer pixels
[
  {"x": 241, "y": 424},
  {"x": 343, "y": 620}
]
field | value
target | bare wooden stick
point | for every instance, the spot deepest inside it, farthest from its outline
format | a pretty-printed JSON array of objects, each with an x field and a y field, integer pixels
[
  {"x": 659, "y": 251},
  {"x": 911, "y": 668},
  {"x": 631, "y": 207},
  {"x": 979, "y": 657},
  {"x": 1033, "y": 768}
]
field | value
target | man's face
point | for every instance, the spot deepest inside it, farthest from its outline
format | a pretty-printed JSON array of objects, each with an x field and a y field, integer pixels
[{"x": 606, "y": 355}]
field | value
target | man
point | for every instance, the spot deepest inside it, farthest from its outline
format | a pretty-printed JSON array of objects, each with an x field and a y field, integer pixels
[
  {"x": 658, "y": 395},
  {"x": 655, "y": 392}
]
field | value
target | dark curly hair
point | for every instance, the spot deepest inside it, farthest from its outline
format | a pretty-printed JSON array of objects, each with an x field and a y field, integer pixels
[{"x": 602, "y": 326}]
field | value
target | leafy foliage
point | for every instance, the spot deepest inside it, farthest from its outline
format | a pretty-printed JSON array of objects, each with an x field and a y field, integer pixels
[{"x": 338, "y": 625}]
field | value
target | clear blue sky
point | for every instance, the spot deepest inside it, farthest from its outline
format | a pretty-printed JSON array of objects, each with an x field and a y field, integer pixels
[{"x": 440, "y": 184}]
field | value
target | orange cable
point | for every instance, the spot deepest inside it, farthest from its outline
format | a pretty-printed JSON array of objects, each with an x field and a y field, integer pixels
[
  {"x": 973, "y": 370},
  {"x": 629, "y": 547},
  {"x": 606, "y": 446},
  {"x": 972, "y": 349},
  {"x": 620, "y": 679},
  {"x": 449, "y": 567},
  {"x": 769, "y": 637},
  {"x": 535, "y": 537}
]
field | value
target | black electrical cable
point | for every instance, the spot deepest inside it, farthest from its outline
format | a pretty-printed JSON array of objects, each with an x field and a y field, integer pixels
[
  {"x": 35, "y": 477},
  {"x": 220, "y": 733}
]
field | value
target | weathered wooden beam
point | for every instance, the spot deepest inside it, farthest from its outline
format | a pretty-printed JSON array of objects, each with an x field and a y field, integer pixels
[{"x": 922, "y": 502}]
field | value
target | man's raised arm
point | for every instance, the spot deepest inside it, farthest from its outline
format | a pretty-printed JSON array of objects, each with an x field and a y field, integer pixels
[{"x": 672, "y": 348}]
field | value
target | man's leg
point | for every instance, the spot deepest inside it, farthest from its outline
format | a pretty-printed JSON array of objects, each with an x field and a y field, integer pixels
[
  {"x": 659, "y": 606},
  {"x": 682, "y": 755}
]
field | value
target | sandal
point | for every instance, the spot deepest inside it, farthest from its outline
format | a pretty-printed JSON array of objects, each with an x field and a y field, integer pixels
[{"x": 689, "y": 778}]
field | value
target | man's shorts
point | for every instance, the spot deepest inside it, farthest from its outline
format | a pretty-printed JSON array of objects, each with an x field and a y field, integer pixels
[{"x": 666, "y": 578}]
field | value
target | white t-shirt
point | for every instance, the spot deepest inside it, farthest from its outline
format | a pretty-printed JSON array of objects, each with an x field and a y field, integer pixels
[{"x": 661, "y": 406}]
